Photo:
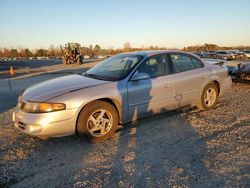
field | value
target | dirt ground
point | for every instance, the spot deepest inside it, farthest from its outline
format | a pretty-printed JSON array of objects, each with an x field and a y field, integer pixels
[{"x": 183, "y": 148}]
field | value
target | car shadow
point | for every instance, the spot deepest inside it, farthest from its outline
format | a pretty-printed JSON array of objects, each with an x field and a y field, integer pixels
[{"x": 159, "y": 151}]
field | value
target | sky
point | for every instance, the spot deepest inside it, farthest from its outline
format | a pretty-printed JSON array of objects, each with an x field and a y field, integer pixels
[{"x": 111, "y": 23}]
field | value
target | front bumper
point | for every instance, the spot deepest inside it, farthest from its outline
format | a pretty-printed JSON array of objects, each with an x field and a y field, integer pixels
[
  {"x": 52, "y": 124},
  {"x": 238, "y": 79}
]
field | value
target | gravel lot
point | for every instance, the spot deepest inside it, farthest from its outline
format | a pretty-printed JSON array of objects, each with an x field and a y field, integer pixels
[{"x": 183, "y": 148}]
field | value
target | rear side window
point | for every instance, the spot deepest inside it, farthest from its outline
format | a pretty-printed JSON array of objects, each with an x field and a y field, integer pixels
[
  {"x": 197, "y": 63},
  {"x": 182, "y": 63}
]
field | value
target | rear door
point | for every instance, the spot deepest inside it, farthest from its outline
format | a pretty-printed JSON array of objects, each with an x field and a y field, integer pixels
[{"x": 189, "y": 76}]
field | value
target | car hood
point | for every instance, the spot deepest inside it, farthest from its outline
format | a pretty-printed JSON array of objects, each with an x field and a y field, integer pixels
[{"x": 49, "y": 89}]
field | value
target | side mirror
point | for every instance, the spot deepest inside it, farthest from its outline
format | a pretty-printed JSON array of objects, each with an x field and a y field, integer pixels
[{"x": 140, "y": 76}]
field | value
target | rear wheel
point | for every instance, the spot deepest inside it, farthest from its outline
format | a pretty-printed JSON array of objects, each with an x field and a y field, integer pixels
[
  {"x": 79, "y": 59},
  {"x": 97, "y": 121},
  {"x": 64, "y": 61},
  {"x": 209, "y": 97}
]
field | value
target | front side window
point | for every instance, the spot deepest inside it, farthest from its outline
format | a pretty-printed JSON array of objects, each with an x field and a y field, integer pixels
[
  {"x": 182, "y": 62},
  {"x": 155, "y": 66},
  {"x": 114, "y": 68}
]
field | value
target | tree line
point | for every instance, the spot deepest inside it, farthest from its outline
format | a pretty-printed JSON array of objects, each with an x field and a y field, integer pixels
[
  {"x": 210, "y": 47},
  {"x": 91, "y": 50}
]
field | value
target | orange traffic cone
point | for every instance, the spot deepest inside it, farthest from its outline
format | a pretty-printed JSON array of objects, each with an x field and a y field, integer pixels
[{"x": 11, "y": 71}]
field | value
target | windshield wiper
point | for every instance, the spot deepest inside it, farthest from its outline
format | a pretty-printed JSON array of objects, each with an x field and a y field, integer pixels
[{"x": 93, "y": 76}]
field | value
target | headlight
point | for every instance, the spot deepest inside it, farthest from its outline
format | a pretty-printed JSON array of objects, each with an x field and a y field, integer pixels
[{"x": 42, "y": 107}]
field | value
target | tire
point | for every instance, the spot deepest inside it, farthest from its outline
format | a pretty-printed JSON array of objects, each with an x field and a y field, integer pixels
[
  {"x": 79, "y": 60},
  {"x": 64, "y": 62},
  {"x": 207, "y": 101},
  {"x": 97, "y": 121}
]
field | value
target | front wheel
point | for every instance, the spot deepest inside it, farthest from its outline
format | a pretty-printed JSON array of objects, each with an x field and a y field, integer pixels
[
  {"x": 97, "y": 121},
  {"x": 209, "y": 97},
  {"x": 79, "y": 59}
]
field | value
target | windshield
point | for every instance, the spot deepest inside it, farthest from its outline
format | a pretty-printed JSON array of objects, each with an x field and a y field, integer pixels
[{"x": 114, "y": 68}]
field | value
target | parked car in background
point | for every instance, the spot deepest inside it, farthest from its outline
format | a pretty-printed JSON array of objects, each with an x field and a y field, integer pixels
[
  {"x": 247, "y": 53},
  {"x": 86, "y": 57},
  {"x": 241, "y": 72},
  {"x": 225, "y": 55},
  {"x": 212, "y": 54},
  {"x": 235, "y": 53},
  {"x": 201, "y": 54},
  {"x": 238, "y": 54},
  {"x": 122, "y": 88}
]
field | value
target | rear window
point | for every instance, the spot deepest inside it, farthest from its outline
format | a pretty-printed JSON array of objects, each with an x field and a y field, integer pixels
[{"x": 183, "y": 62}]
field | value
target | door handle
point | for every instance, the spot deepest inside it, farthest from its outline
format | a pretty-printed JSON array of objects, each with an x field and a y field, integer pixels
[{"x": 167, "y": 85}]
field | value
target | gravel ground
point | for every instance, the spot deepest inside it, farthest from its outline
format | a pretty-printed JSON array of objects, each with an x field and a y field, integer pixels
[{"x": 183, "y": 148}]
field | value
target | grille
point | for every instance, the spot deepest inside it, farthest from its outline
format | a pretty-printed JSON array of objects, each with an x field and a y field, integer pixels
[
  {"x": 21, "y": 125},
  {"x": 245, "y": 76}
]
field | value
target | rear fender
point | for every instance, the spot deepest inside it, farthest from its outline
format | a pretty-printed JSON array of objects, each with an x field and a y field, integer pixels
[{"x": 211, "y": 79}]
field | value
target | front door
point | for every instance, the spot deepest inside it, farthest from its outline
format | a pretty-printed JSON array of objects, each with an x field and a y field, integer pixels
[{"x": 153, "y": 94}]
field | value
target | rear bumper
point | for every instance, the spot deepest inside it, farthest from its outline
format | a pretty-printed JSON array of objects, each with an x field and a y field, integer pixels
[
  {"x": 225, "y": 85},
  {"x": 53, "y": 124}
]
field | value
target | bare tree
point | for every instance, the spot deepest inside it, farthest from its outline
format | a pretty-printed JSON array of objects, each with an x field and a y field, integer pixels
[
  {"x": 52, "y": 51},
  {"x": 1, "y": 53},
  {"x": 127, "y": 46},
  {"x": 41, "y": 53},
  {"x": 97, "y": 49},
  {"x": 13, "y": 53},
  {"x": 25, "y": 52}
]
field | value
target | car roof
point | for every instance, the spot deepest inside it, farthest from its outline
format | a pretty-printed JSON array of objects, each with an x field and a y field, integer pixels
[{"x": 148, "y": 53}]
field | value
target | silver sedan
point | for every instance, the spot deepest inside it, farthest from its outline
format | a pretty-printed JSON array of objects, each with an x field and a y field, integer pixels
[{"x": 121, "y": 89}]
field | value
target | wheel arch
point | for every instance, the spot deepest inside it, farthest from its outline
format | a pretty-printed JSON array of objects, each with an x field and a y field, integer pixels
[
  {"x": 217, "y": 83},
  {"x": 111, "y": 101},
  {"x": 213, "y": 80},
  {"x": 117, "y": 106}
]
